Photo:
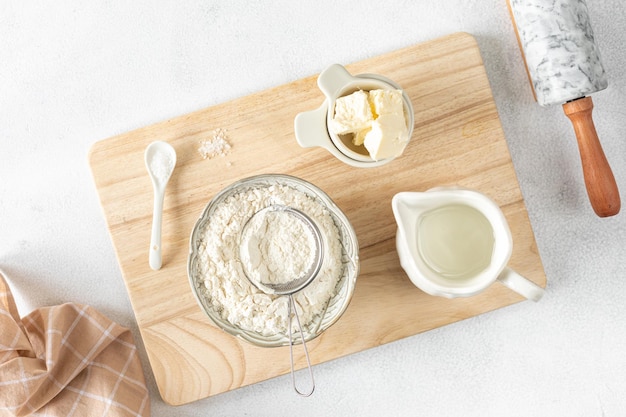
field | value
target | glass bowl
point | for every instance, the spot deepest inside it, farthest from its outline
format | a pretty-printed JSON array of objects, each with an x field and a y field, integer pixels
[{"x": 199, "y": 269}]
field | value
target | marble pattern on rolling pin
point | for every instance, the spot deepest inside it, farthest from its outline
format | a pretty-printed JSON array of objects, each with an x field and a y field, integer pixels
[{"x": 562, "y": 57}]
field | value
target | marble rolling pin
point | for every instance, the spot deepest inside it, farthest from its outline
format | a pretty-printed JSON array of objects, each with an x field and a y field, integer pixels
[{"x": 564, "y": 67}]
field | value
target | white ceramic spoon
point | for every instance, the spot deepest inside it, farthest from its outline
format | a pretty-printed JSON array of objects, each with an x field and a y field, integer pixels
[{"x": 160, "y": 160}]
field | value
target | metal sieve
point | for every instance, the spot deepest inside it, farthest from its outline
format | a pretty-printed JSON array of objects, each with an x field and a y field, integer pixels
[{"x": 278, "y": 284}]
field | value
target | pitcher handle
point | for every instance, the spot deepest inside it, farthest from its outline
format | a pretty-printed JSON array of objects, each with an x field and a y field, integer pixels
[{"x": 521, "y": 285}]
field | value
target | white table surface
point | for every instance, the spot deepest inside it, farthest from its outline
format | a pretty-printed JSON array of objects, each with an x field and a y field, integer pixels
[{"x": 75, "y": 72}]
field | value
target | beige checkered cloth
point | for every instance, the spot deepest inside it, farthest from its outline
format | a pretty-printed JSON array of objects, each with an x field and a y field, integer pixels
[{"x": 67, "y": 360}]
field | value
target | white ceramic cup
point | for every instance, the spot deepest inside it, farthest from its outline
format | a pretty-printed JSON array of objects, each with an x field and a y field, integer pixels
[
  {"x": 409, "y": 209},
  {"x": 311, "y": 127}
]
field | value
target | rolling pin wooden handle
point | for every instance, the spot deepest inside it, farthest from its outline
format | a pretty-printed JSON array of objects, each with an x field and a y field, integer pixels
[{"x": 599, "y": 180}]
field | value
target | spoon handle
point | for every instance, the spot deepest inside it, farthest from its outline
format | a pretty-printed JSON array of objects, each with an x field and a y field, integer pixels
[{"x": 155, "y": 238}]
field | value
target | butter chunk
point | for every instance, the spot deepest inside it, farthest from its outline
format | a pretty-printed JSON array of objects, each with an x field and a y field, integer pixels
[
  {"x": 386, "y": 102},
  {"x": 374, "y": 119},
  {"x": 359, "y": 137},
  {"x": 388, "y": 136},
  {"x": 352, "y": 113}
]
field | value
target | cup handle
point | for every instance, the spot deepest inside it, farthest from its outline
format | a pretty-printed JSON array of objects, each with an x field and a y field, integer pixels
[
  {"x": 332, "y": 79},
  {"x": 310, "y": 128},
  {"x": 521, "y": 285}
]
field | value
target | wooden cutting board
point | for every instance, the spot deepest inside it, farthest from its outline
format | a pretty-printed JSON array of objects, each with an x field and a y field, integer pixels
[{"x": 457, "y": 140}]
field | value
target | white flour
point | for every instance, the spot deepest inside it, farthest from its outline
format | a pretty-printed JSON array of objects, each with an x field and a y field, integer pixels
[
  {"x": 277, "y": 248},
  {"x": 227, "y": 288},
  {"x": 214, "y": 146}
]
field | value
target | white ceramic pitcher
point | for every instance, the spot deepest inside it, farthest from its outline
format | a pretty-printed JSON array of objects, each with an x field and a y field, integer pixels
[{"x": 409, "y": 209}]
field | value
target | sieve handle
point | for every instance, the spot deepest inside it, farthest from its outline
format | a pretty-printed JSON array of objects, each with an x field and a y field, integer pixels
[{"x": 306, "y": 351}]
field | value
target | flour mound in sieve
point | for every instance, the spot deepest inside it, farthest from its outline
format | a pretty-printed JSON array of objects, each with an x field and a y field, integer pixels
[
  {"x": 229, "y": 291},
  {"x": 277, "y": 248}
]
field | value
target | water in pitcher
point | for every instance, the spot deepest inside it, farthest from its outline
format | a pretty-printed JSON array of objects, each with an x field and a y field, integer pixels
[{"x": 455, "y": 241}]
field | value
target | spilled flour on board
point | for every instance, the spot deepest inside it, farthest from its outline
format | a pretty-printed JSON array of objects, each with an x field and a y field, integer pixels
[{"x": 216, "y": 145}]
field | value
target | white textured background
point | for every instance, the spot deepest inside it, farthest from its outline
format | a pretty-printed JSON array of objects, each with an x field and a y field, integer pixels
[{"x": 75, "y": 72}]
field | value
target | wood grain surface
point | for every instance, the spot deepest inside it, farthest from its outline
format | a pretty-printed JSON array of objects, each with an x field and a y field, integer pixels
[{"x": 457, "y": 140}]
